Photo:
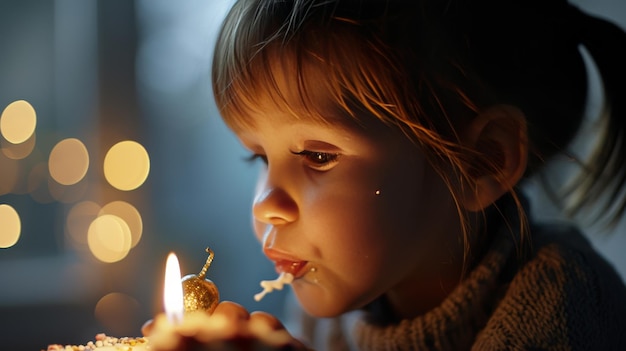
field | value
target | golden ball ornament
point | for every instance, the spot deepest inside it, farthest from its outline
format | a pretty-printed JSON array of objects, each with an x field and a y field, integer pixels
[{"x": 199, "y": 293}]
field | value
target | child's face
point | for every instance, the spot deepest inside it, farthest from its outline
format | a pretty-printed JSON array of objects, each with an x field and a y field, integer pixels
[{"x": 352, "y": 212}]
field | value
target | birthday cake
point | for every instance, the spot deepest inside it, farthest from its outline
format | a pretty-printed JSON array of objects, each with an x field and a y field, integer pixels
[
  {"x": 104, "y": 342},
  {"x": 197, "y": 288}
]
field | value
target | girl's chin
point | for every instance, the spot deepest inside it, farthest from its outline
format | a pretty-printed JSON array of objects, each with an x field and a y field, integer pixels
[{"x": 317, "y": 301}]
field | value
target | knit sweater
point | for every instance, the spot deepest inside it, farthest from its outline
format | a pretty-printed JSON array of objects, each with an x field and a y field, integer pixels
[
  {"x": 562, "y": 296},
  {"x": 559, "y": 295}
]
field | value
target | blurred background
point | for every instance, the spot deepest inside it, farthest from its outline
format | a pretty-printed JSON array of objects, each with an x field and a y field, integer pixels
[{"x": 112, "y": 155}]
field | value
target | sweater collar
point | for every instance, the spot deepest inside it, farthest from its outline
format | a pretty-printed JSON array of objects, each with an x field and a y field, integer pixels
[{"x": 453, "y": 325}]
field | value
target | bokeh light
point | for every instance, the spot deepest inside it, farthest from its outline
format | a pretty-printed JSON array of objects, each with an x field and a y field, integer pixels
[
  {"x": 126, "y": 165},
  {"x": 68, "y": 194},
  {"x": 9, "y": 174},
  {"x": 18, "y": 122},
  {"x": 11, "y": 226},
  {"x": 37, "y": 184},
  {"x": 129, "y": 214},
  {"x": 18, "y": 151},
  {"x": 117, "y": 312},
  {"x": 79, "y": 218},
  {"x": 109, "y": 238},
  {"x": 68, "y": 161}
]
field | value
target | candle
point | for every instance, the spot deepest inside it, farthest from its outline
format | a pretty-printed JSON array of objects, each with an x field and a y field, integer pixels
[{"x": 173, "y": 290}]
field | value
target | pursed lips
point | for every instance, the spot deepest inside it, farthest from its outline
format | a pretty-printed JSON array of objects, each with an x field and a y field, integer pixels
[{"x": 285, "y": 263}]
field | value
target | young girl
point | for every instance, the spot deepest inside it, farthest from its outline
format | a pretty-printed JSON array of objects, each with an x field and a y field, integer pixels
[{"x": 395, "y": 135}]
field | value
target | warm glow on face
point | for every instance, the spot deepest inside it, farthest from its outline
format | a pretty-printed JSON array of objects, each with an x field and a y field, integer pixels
[
  {"x": 126, "y": 165},
  {"x": 18, "y": 122},
  {"x": 10, "y": 227},
  {"x": 79, "y": 218},
  {"x": 173, "y": 290},
  {"x": 129, "y": 214},
  {"x": 68, "y": 162},
  {"x": 109, "y": 238}
]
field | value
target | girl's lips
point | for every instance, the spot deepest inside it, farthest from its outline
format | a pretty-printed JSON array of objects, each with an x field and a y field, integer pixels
[
  {"x": 292, "y": 267},
  {"x": 285, "y": 262}
]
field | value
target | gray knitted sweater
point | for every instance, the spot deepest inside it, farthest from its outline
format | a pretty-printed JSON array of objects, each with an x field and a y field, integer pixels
[{"x": 563, "y": 296}]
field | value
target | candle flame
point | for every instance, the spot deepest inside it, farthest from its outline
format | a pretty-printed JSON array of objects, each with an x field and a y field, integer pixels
[{"x": 173, "y": 290}]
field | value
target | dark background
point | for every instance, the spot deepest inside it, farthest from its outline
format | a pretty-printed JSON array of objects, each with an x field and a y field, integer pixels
[{"x": 106, "y": 71}]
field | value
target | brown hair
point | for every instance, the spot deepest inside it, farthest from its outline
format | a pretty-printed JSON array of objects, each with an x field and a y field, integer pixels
[{"x": 427, "y": 67}]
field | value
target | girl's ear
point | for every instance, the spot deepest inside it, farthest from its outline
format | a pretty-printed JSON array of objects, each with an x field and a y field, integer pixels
[{"x": 499, "y": 139}]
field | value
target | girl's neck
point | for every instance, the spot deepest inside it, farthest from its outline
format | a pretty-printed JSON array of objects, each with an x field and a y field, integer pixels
[{"x": 413, "y": 298}]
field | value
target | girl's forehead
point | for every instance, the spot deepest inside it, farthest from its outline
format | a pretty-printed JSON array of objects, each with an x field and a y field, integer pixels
[
  {"x": 288, "y": 91},
  {"x": 271, "y": 114},
  {"x": 281, "y": 130},
  {"x": 326, "y": 79}
]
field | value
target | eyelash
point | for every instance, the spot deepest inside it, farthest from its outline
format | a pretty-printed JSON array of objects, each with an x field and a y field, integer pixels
[
  {"x": 252, "y": 158},
  {"x": 319, "y": 161}
]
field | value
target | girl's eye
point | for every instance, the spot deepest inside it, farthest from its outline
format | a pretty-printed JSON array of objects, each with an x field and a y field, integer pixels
[
  {"x": 252, "y": 158},
  {"x": 319, "y": 161}
]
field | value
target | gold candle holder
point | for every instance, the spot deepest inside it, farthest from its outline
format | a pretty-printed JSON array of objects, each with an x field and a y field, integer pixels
[{"x": 199, "y": 293}]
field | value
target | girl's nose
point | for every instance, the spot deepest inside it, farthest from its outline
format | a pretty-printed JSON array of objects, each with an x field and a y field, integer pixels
[{"x": 274, "y": 206}]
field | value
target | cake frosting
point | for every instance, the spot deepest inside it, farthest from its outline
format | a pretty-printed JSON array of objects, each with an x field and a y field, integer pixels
[{"x": 104, "y": 342}]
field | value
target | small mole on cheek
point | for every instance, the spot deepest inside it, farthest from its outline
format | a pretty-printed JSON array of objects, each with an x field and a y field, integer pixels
[{"x": 313, "y": 270}]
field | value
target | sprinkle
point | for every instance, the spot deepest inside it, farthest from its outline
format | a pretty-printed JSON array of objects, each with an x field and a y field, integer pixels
[{"x": 102, "y": 341}]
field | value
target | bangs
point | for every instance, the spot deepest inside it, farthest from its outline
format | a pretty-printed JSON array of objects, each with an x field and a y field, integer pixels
[
  {"x": 285, "y": 82},
  {"x": 326, "y": 74}
]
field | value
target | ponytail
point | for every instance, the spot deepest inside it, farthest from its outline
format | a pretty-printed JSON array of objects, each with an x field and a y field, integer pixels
[{"x": 603, "y": 180}]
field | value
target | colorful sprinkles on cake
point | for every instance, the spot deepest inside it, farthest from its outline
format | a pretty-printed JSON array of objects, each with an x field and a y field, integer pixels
[{"x": 106, "y": 343}]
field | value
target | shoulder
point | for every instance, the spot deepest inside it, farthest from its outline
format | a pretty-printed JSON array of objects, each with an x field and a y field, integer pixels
[
  {"x": 564, "y": 293},
  {"x": 563, "y": 258}
]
